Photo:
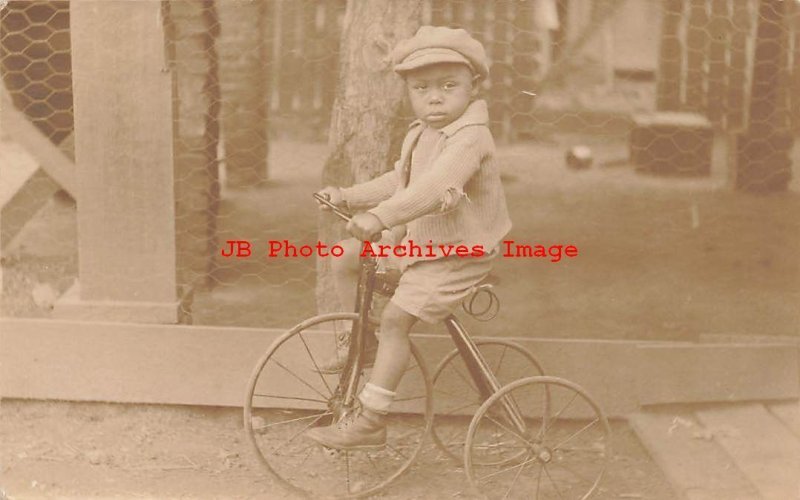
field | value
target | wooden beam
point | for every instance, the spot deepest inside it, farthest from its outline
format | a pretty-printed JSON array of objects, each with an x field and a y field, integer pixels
[
  {"x": 206, "y": 365},
  {"x": 57, "y": 165},
  {"x": 717, "y": 372}
]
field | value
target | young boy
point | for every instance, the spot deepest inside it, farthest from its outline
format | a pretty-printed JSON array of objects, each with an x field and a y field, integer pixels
[{"x": 446, "y": 190}]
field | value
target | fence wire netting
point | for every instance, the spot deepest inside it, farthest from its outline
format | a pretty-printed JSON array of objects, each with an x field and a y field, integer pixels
[{"x": 575, "y": 85}]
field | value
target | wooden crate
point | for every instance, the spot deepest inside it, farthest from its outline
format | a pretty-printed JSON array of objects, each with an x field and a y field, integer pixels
[{"x": 672, "y": 143}]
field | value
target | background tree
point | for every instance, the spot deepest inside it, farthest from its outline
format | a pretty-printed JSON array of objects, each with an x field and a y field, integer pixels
[
  {"x": 763, "y": 162},
  {"x": 368, "y": 122}
]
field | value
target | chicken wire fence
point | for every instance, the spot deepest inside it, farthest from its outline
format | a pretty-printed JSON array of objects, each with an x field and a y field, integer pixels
[{"x": 256, "y": 83}]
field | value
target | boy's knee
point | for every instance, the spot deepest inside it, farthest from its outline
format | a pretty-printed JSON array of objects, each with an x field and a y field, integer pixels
[
  {"x": 348, "y": 262},
  {"x": 395, "y": 320}
]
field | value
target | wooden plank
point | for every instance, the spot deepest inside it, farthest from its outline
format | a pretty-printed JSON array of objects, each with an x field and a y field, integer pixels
[
  {"x": 205, "y": 365},
  {"x": 26, "y": 202},
  {"x": 200, "y": 365},
  {"x": 715, "y": 372},
  {"x": 57, "y": 165},
  {"x": 765, "y": 450},
  {"x": 787, "y": 412},
  {"x": 735, "y": 338},
  {"x": 697, "y": 468}
]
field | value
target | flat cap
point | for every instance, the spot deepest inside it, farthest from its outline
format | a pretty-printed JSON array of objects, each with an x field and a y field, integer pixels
[{"x": 438, "y": 44}]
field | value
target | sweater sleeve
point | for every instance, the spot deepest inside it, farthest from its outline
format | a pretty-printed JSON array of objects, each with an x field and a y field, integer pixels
[
  {"x": 372, "y": 192},
  {"x": 454, "y": 166}
]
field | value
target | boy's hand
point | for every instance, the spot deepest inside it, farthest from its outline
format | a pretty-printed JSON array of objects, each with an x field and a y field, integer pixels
[
  {"x": 333, "y": 194},
  {"x": 365, "y": 227}
]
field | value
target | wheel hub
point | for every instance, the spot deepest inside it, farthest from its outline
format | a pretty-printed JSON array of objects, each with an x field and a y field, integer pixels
[{"x": 545, "y": 455}]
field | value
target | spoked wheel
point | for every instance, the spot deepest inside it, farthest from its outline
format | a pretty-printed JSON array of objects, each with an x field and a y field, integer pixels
[
  {"x": 287, "y": 395},
  {"x": 456, "y": 399},
  {"x": 559, "y": 448}
]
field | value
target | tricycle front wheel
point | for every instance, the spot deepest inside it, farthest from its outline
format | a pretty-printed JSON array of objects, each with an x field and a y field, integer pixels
[{"x": 286, "y": 396}]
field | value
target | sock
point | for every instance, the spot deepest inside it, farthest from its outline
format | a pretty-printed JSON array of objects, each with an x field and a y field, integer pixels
[{"x": 376, "y": 398}]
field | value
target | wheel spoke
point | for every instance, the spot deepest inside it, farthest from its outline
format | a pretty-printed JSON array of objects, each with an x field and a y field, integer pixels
[
  {"x": 292, "y": 373},
  {"x": 347, "y": 469},
  {"x": 294, "y": 436},
  {"x": 410, "y": 398},
  {"x": 316, "y": 366},
  {"x": 291, "y": 398},
  {"x": 511, "y": 431},
  {"x": 539, "y": 480},
  {"x": 394, "y": 449},
  {"x": 577, "y": 433},
  {"x": 466, "y": 380},
  {"x": 552, "y": 482},
  {"x": 500, "y": 361},
  {"x": 458, "y": 408},
  {"x": 283, "y": 422},
  {"x": 549, "y": 424},
  {"x": 516, "y": 478},
  {"x": 520, "y": 465}
]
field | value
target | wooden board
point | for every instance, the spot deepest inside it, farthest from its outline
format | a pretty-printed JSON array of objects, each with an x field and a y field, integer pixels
[
  {"x": 716, "y": 372},
  {"x": 204, "y": 365},
  {"x": 696, "y": 467},
  {"x": 760, "y": 445},
  {"x": 57, "y": 165},
  {"x": 788, "y": 413}
]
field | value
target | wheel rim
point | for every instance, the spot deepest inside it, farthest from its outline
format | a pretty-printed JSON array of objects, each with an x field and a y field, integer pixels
[
  {"x": 507, "y": 359},
  {"x": 286, "y": 376},
  {"x": 566, "y": 445}
]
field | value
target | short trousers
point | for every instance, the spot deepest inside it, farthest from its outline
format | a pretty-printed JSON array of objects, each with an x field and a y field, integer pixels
[{"x": 432, "y": 289}]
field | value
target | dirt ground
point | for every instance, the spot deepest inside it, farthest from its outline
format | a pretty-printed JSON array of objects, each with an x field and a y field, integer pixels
[{"x": 92, "y": 450}]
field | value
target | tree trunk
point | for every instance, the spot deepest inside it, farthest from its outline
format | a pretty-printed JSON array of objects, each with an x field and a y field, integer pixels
[
  {"x": 367, "y": 123},
  {"x": 764, "y": 163},
  {"x": 243, "y": 83}
]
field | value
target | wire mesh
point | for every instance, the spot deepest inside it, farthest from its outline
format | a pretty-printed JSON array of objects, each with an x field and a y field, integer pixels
[
  {"x": 35, "y": 60},
  {"x": 256, "y": 82}
]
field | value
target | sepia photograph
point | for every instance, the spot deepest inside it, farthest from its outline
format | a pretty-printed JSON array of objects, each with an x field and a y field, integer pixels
[{"x": 400, "y": 249}]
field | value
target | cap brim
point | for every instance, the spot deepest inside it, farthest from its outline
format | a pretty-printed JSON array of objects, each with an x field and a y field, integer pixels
[{"x": 426, "y": 57}]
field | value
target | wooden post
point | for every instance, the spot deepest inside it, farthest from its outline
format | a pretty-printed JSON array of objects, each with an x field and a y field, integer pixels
[
  {"x": 696, "y": 56},
  {"x": 501, "y": 72},
  {"x": 193, "y": 27},
  {"x": 719, "y": 31},
  {"x": 525, "y": 48},
  {"x": 794, "y": 99},
  {"x": 367, "y": 125},
  {"x": 243, "y": 82},
  {"x": 738, "y": 67},
  {"x": 143, "y": 130},
  {"x": 764, "y": 163}
]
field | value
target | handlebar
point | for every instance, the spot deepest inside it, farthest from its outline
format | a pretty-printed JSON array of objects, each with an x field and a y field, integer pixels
[
  {"x": 345, "y": 216},
  {"x": 336, "y": 210}
]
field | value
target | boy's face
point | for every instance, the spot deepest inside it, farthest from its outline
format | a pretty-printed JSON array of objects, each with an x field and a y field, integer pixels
[{"x": 440, "y": 93}]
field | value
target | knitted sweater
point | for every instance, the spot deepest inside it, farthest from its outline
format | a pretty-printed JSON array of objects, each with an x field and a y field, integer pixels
[{"x": 456, "y": 197}]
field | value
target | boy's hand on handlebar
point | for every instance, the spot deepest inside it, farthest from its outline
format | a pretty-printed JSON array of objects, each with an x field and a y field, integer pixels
[
  {"x": 333, "y": 194},
  {"x": 365, "y": 227}
]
